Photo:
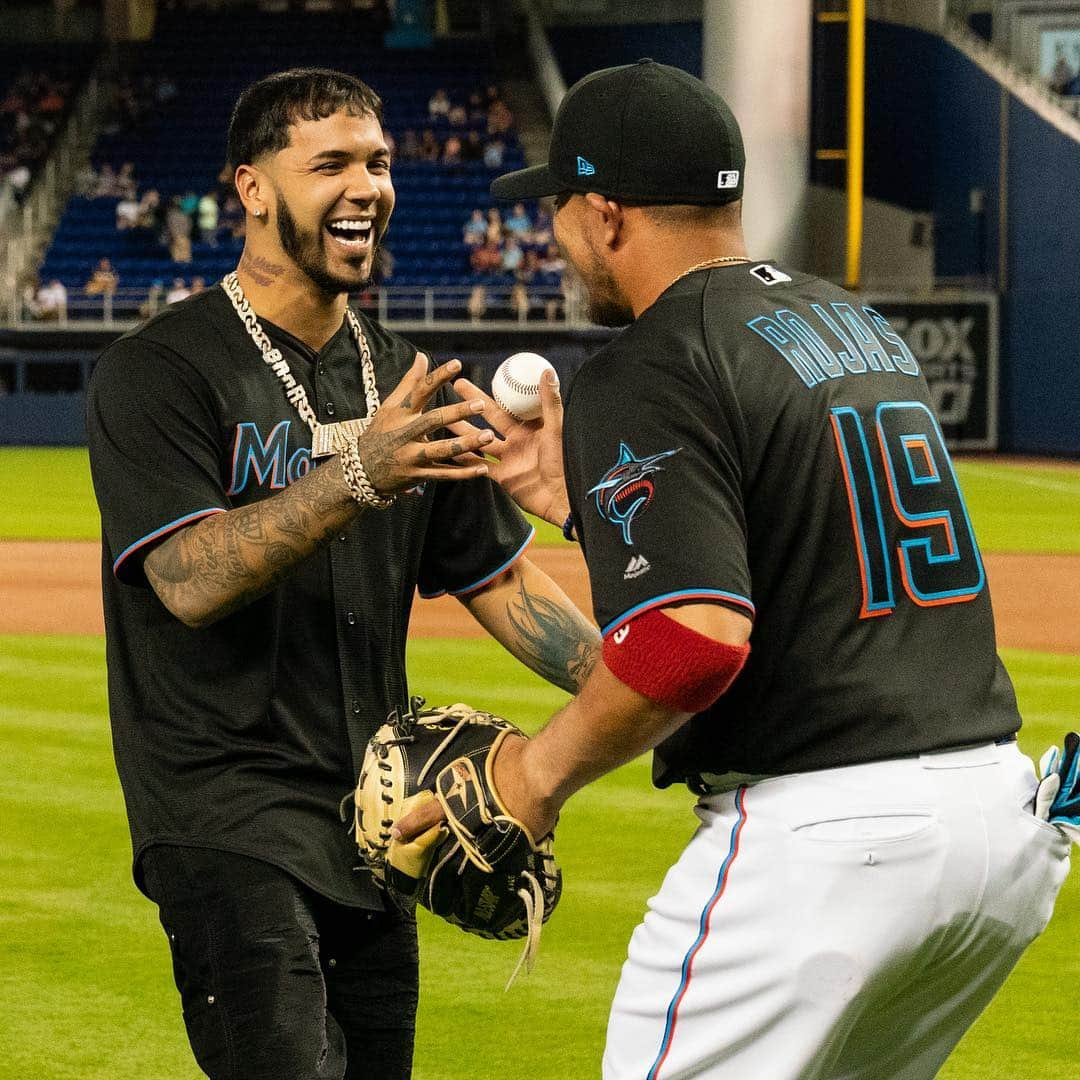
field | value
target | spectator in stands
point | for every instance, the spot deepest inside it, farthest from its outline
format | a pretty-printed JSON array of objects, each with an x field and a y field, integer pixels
[
  {"x": 189, "y": 203},
  {"x": 552, "y": 261},
  {"x": 178, "y": 227},
  {"x": 232, "y": 217},
  {"x": 28, "y": 293},
  {"x": 207, "y": 217},
  {"x": 198, "y": 285},
  {"x": 149, "y": 215},
  {"x": 530, "y": 266},
  {"x": 499, "y": 118},
  {"x": 127, "y": 213},
  {"x": 475, "y": 229},
  {"x": 542, "y": 231},
  {"x": 52, "y": 300},
  {"x": 486, "y": 258},
  {"x": 477, "y": 304},
  {"x": 178, "y": 292},
  {"x": 555, "y": 305},
  {"x": 451, "y": 154},
  {"x": 52, "y": 101},
  {"x": 511, "y": 257},
  {"x": 517, "y": 224},
  {"x": 439, "y": 104},
  {"x": 18, "y": 179},
  {"x": 472, "y": 149},
  {"x": 127, "y": 186},
  {"x": 457, "y": 116},
  {"x": 494, "y": 152},
  {"x": 476, "y": 108},
  {"x": 103, "y": 281},
  {"x": 494, "y": 229},
  {"x": 154, "y": 302},
  {"x": 108, "y": 184},
  {"x": 409, "y": 150},
  {"x": 519, "y": 301},
  {"x": 430, "y": 150}
]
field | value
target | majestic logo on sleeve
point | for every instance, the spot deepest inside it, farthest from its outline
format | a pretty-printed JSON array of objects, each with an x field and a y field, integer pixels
[{"x": 626, "y": 490}]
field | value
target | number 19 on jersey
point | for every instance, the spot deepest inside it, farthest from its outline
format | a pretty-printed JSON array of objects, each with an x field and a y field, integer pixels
[{"x": 907, "y": 513}]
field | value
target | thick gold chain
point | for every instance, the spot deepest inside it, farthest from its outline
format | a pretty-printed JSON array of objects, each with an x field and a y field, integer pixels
[{"x": 272, "y": 357}]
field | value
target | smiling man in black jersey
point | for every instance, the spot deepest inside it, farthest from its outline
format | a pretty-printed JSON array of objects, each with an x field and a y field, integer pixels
[{"x": 274, "y": 483}]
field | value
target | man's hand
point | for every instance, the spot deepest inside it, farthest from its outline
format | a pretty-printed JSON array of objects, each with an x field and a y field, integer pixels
[
  {"x": 527, "y": 461},
  {"x": 396, "y": 450},
  {"x": 509, "y": 782}
]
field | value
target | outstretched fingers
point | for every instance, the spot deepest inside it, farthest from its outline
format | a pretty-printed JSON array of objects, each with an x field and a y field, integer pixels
[
  {"x": 420, "y": 383},
  {"x": 462, "y": 447},
  {"x": 447, "y": 416},
  {"x": 494, "y": 414}
]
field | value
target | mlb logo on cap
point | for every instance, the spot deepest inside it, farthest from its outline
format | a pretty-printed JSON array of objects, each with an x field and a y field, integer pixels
[{"x": 727, "y": 178}]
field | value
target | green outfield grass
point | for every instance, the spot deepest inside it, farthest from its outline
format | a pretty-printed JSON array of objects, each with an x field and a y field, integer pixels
[
  {"x": 1015, "y": 507},
  {"x": 85, "y": 987}
]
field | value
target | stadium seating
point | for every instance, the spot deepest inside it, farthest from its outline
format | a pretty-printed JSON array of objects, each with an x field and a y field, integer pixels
[{"x": 211, "y": 59}]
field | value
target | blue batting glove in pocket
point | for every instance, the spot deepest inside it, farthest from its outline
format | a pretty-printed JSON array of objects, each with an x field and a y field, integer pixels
[{"x": 1057, "y": 799}]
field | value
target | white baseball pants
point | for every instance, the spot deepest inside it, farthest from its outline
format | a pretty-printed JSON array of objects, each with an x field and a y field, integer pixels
[{"x": 848, "y": 924}]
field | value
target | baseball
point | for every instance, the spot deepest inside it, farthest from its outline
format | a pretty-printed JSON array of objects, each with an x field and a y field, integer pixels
[{"x": 516, "y": 385}]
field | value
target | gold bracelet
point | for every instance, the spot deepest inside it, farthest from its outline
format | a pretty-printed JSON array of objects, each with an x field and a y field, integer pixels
[{"x": 360, "y": 485}]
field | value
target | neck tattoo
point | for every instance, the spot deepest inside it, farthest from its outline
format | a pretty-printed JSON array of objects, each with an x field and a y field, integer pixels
[
  {"x": 326, "y": 439},
  {"x": 262, "y": 271}
]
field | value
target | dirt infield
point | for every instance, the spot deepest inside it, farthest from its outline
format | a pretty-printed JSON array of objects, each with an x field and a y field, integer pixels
[{"x": 53, "y": 588}]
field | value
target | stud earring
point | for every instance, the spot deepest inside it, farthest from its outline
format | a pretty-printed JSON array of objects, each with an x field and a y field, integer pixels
[{"x": 257, "y": 213}]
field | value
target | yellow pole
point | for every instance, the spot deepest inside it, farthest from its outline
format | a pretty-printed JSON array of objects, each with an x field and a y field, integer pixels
[{"x": 855, "y": 117}]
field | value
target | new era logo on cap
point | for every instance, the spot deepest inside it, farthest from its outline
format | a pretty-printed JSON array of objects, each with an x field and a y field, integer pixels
[
  {"x": 585, "y": 168},
  {"x": 727, "y": 179}
]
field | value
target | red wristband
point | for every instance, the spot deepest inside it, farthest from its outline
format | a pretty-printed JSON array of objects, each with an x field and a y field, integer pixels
[{"x": 671, "y": 664}]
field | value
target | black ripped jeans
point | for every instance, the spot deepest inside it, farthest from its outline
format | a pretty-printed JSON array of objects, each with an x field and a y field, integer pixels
[{"x": 277, "y": 982}]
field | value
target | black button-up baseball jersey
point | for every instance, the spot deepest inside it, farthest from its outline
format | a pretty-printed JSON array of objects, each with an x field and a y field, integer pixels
[
  {"x": 761, "y": 439},
  {"x": 245, "y": 735}
]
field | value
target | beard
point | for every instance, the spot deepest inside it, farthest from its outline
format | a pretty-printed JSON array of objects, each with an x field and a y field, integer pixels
[
  {"x": 308, "y": 251},
  {"x": 605, "y": 303}
]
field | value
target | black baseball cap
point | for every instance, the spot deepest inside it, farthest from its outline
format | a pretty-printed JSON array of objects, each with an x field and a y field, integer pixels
[{"x": 644, "y": 132}]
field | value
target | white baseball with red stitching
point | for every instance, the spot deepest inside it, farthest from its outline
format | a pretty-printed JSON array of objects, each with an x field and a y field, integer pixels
[{"x": 516, "y": 385}]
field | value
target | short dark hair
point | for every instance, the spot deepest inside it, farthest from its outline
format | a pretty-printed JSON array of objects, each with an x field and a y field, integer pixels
[{"x": 267, "y": 108}]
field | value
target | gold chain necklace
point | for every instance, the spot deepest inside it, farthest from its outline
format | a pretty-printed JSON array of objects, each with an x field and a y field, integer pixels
[
  {"x": 325, "y": 438},
  {"x": 718, "y": 261}
]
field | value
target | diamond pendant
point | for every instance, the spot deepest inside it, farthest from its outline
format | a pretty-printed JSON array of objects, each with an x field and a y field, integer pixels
[{"x": 325, "y": 438}]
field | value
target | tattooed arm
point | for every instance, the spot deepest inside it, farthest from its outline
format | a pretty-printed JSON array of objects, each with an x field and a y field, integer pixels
[
  {"x": 536, "y": 621},
  {"x": 218, "y": 565}
]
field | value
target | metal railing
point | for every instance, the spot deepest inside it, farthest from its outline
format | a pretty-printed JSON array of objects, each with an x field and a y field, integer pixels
[
  {"x": 25, "y": 229},
  {"x": 499, "y": 306},
  {"x": 1061, "y": 111}
]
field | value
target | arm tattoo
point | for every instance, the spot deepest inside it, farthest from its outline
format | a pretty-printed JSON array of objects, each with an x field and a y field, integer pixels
[
  {"x": 225, "y": 561},
  {"x": 554, "y": 640}
]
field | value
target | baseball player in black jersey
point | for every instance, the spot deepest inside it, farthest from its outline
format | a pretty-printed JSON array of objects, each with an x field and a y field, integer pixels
[
  {"x": 264, "y": 532},
  {"x": 754, "y": 461}
]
